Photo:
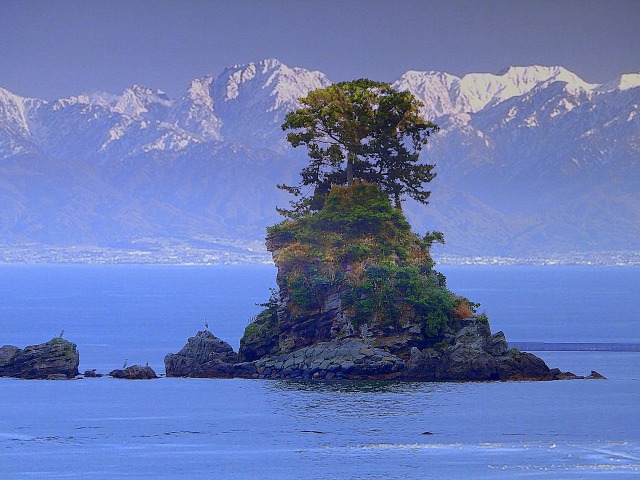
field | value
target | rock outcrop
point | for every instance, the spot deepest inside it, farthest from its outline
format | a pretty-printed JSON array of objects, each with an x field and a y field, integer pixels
[
  {"x": 473, "y": 355},
  {"x": 349, "y": 358},
  {"x": 134, "y": 372},
  {"x": 55, "y": 359},
  {"x": 204, "y": 355},
  {"x": 358, "y": 298}
]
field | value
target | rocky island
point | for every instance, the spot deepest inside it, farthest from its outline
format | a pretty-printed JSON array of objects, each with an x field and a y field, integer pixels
[
  {"x": 54, "y": 360},
  {"x": 359, "y": 298}
]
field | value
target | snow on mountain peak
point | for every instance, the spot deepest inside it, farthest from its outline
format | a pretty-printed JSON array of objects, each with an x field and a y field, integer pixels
[
  {"x": 270, "y": 75},
  {"x": 251, "y": 98},
  {"x": 195, "y": 112},
  {"x": 137, "y": 100},
  {"x": 12, "y": 113},
  {"x": 200, "y": 90},
  {"x": 446, "y": 94},
  {"x": 624, "y": 82},
  {"x": 629, "y": 80}
]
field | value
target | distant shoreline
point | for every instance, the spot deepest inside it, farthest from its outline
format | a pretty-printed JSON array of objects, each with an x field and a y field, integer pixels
[
  {"x": 575, "y": 347},
  {"x": 223, "y": 254}
]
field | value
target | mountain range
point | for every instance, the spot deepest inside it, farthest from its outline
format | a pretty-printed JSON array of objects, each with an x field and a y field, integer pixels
[{"x": 531, "y": 161}]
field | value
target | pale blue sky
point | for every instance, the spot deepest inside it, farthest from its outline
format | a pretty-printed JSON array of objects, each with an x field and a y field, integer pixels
[{"x": 51, "y": 49}]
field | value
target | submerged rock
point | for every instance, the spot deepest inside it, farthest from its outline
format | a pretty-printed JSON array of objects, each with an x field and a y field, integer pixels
[
  {"x": 204, "y": 355},
  {"x": 134, "y": 372},
  {"x": 55, "y": 359}
]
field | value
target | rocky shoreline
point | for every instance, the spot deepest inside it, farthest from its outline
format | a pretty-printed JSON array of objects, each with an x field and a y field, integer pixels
[
  {"x": 475, "y": 355},
  {"x": 57, "y": 359}
]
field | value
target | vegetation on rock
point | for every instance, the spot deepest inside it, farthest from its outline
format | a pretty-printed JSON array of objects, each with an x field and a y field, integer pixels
[
  {"x": 355, "y": 268},
  {"x": 349, "y": 265}
]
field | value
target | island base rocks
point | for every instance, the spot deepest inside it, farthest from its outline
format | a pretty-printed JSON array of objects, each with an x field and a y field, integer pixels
[{"x": 473, "y": 355}]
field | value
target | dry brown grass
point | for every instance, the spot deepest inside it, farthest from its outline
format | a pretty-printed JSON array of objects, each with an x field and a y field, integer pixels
[{"x": 463, "y": 310}]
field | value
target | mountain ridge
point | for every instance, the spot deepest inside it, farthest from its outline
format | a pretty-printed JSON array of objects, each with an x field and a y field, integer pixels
[{"x": 528, "y": 152}]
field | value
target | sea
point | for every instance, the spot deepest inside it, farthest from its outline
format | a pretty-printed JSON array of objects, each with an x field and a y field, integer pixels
[{"x": 173, "y": 428}]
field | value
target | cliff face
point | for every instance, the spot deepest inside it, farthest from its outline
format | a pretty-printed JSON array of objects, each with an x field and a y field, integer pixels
[{"x": 358, "y": 297}]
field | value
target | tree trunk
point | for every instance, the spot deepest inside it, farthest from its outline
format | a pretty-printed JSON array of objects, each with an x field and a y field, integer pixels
[
  {"x": 350, "y": 161},
  {"x": 397, "y": 201}
]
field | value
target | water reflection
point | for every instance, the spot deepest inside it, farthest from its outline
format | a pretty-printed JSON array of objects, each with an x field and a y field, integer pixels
[
  {"x": 359, "y": 386},
  {"x": 357, "y": 399}
]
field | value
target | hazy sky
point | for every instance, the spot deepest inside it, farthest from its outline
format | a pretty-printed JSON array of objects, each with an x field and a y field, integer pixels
[{"x": 51, "y": 49}]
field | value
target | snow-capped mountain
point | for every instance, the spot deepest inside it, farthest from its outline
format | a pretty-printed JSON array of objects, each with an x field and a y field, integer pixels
[
  {"x": 533, "y": 158},
  {"x": 252, "y": 100},
  {"x": 195, "y": 111},
  {"x": 445, "y": 94}
]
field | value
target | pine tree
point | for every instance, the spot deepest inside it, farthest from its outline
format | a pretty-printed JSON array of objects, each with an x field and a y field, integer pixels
[{"x": 359, "y": 130}]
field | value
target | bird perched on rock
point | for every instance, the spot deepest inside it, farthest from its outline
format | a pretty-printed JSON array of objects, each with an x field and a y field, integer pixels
[
  {"x": 125, "y": 363},
  {"x": 206, "y": 324},
  {"x": 61, "y": 333}
]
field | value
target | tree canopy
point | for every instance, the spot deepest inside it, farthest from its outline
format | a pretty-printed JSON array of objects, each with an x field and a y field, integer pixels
[{"x": 364, "y": 130}]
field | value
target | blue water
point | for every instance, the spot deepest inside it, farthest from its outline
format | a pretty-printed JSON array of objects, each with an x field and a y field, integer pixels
[
  {"x": 554, "y": 304},
  {"x": 199, "y": 428},
  {"x": 139, "y": 313}
]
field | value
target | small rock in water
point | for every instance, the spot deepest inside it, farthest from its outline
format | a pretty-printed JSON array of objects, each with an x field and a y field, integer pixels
[
  {"x": 92, "y": 374},
  {"x": 134, "y": 372}
]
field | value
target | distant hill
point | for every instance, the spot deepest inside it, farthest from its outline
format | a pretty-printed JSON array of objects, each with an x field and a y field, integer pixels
[{"x": 532, "y": 161}]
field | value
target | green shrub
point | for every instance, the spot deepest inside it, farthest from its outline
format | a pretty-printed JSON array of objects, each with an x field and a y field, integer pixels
[
  {"x": 390, "y": 272},
  {"x": 387, "y": 288}
]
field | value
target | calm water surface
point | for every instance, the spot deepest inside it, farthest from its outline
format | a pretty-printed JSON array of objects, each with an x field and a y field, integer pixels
[{"x": 199, "y": 428}]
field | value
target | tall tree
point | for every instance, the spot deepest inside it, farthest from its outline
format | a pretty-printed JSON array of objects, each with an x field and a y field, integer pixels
[{"x": 360, "y": 130}]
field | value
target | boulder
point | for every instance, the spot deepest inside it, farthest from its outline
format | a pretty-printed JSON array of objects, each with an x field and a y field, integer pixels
[
  {"x": 471, "y": 353},
  {"x": 204, "y": 355},
  {"x": 462, "y": 362},
  {"x": 497, "y": 344},
  {"x": 476, "y": 355},
  {"x": 422, "y": 365},
  {"x": 92, "y": 374},
  {"x": 7, "y": 353},
  {"x": 55, "y": 359},
  {"x": 516, "y": 365},
  {"x": 134, "y": 372}
]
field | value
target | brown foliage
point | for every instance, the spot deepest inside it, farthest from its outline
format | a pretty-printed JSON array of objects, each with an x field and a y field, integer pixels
[{"x": 463, "y": 310}]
